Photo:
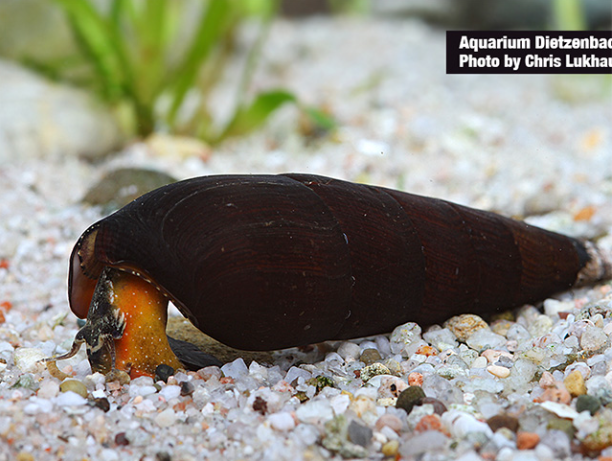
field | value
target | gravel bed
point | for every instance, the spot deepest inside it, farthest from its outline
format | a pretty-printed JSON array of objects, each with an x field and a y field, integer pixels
[{"x": 533, "y": 384}]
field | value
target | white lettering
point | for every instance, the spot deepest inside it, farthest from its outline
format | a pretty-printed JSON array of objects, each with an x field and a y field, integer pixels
[{"x": 513, "y": 63}]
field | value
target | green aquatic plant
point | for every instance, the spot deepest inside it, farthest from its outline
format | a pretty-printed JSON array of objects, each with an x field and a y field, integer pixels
[
  {"x": 158, "y": 62},
  {"x": 568, "y": 15}
]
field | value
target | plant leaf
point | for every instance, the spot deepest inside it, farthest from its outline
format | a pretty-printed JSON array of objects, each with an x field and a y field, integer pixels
[
  {"x": 251, "y": 117},
  {"x": 216, "y": 19},
  {"x": 94, "y": 36},
  {"x": 319, "y": 119}
]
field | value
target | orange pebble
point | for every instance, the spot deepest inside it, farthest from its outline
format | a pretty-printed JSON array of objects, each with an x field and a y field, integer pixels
[
  {"x": 427, "y": 351},
  {"x": 527, "y": 440},
  {"x": 431, "y": 423},
  {"x": 585, "y": 214},
  {"x": 556, "y": 395},
  {"x": 6, "y": 306},
  {"x": 4, "y": 264},
  {"x": 415, "y": 379},
  {"x": 182, "y": 405},
  {"x": 604, "y": 458},
  {"x": 226, "y": 380}
]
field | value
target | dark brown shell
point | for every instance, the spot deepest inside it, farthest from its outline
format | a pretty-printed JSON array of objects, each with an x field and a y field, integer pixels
[{"x": 268, "y": 262}]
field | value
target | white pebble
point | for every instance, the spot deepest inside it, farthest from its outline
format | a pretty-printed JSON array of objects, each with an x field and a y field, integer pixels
[
  {"x": 505, "y": 454},
  {"x": 586, "y": 424},
  {"x": 469, "y": 456},
  {"x": 27, "y": 358},
  {"x": 485, "y": 338},
  {"x": 526, "y": 455},
  {"x": 340, "y": 403},
  {"x": 145, "y": 405},
  {"x": 49, "y": 388},
  {"x": 544, "y": 452},
  {"x": 518, "y": 332},
  {"x": 38, "y": 405},
  {"x": 236, "y": 369},
  {"x": 404, "y": 335},
  {"x": 142, "y": 390},
  {"x": 334, "y": 357},
  {"x": 170, "y": 392},
  {"x": 295, "y": 373},
  {"x": 315, "y": 411},
  {"x": 593, "y": 338},
  {"x": 540, "y": 326},
  {"x": 282, "y": 421},
  {"x": 553, "y": 307},
  {"x": 109, "y": 455},
  {"x": 479, "y": 362},
  {"x": 166, "y": 418},
  {"x": 258, "y": 371},
  {"x": 489, "y": 409},
  {"x": 560, "y": 409},
  {"x": 66, "y": 399},
  {"x": 349, "y": 351},
  {"x": 96, "y": 380},
  {"x": 462, "y": 424},
  {"x": 307, "y": 434},
  {"x": 422, "y": 443},
  {"x": 383, "y": 345},
  {"x": 441, "y": 339}
]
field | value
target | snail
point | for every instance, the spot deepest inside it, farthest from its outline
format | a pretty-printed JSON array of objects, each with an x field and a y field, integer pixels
[{"x": 264, "y": 262}]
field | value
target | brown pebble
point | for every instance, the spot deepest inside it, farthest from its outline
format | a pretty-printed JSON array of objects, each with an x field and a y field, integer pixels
[
  {"x": 187, "y": 388},
  {"x": 24, "y": 456},
  {"x": 121, "y": 439},
  {"x": 527, "y": 440},
  {"x": 410, "y": 397},
  {"x": 498, "y": 421},
  {"x": 260, "y": 405},
  {"x": 370, "y": 356},
  {"x": 438, "y": 406},
  {"x": 102, "y": 403}
]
